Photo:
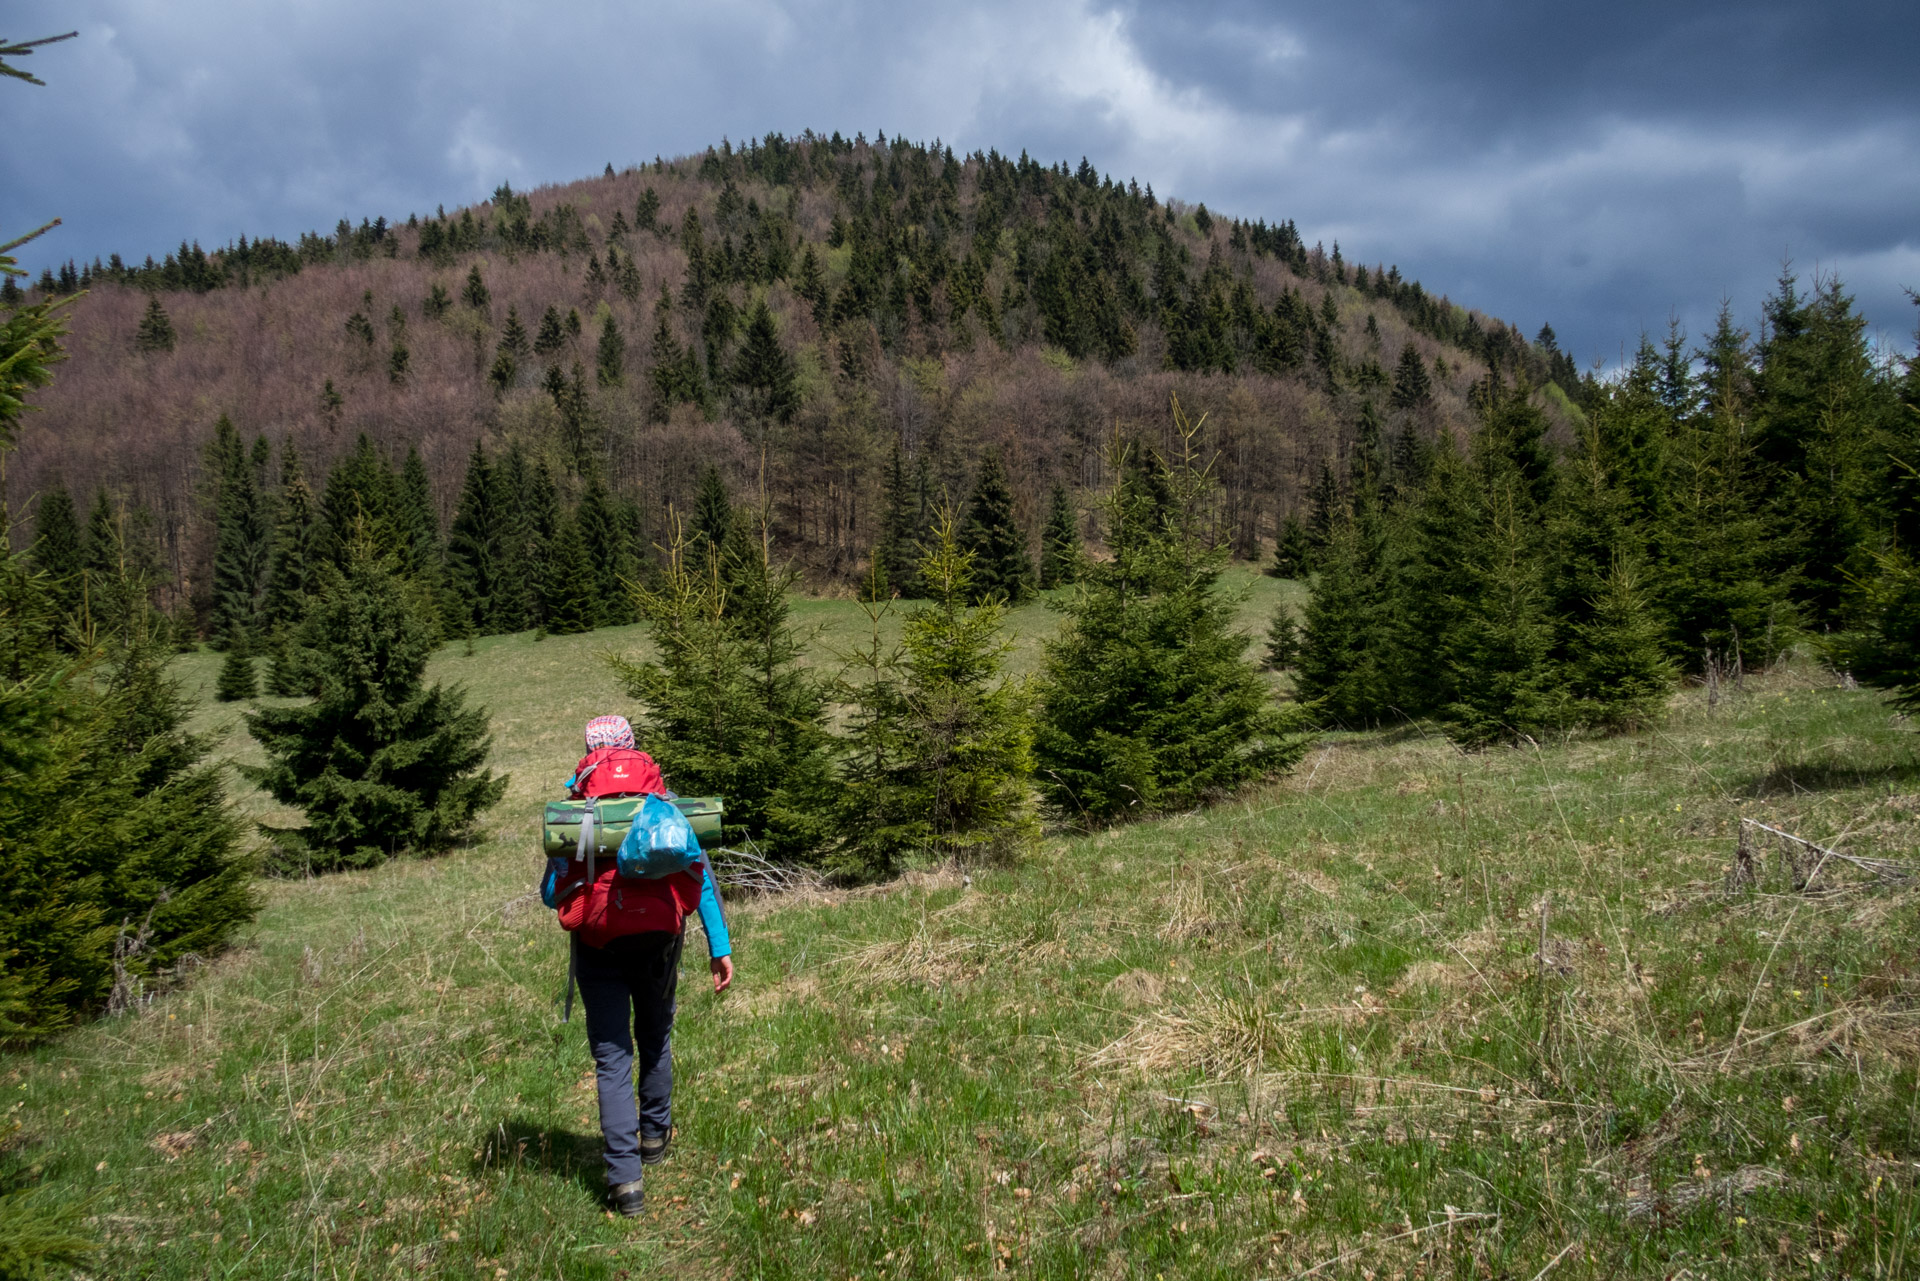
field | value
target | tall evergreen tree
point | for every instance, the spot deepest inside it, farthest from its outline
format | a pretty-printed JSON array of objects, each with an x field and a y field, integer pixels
[
  {"x": 1818, "y": 413},
  {"x": 380, "y": 763},
  {"x": 1147, "y": 701},
  {"x": 58, "y": 553},
  {"x": 295, "y": 559},
  {"x": 525, "y": 507},
  {"x": 1060, "y": 543},
  {"x": 549, "y": 339},
  {"x": 111, "y": 818},
  {"x": 610, "y": 361},
  {"x": 1324, "y": 507},
  {"x": 155, "y": 333},
  {"x": 712, "y": 518},
  {"x": 1292, "y": 550},
  {"x": 610, "y": 553},
  {"x": 243, "y": 538},
  {"x": 763, "y": 374},
  {"x": 238, "y": 680},
  {"x": 1500, "y": 648},
  {"x": 417, "y": 539},
  {"x": 109, "y": 581},
  {"x": 1344, "y": 667},
  {"x": 571, "y": 594},
  {"x": 1412, "y": 387},
  {"x": 474, "y": 551},
  {"x": 1001, "y": 567},
  {"x": 895, "y": 555},
  {"x": 358, "y": 501},
  {"x": 1712, "y": 576}
]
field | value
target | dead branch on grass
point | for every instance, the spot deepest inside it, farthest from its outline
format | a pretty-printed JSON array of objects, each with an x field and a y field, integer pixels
[
  {"x": 1681, "y": 1197},
  {"x": 1801, "y": 860},
  {"x": 746, "y": 870}
]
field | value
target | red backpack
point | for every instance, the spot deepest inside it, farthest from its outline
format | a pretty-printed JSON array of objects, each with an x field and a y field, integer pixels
[
  {"x": 617, "y": 771},
  {"x": 615, "y": 906}
]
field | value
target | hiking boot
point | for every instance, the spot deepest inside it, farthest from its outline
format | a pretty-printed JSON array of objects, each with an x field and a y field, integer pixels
[
  {"x": 628, "y": 1199},
  {"x": 653, "y": 1147}
]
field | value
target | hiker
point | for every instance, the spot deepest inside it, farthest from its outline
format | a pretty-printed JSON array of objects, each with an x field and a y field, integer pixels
[{"x": 626, "y": 938}]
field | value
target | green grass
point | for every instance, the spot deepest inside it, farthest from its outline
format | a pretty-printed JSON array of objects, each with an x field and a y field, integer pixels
[{"x": 1309, "y": 1025}]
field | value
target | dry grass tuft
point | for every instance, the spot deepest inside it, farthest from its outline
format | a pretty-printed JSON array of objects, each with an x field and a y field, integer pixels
[
  {"x": 918, "y": 961},
  {"x": 1138, "y": 989},
  {"x": 1218, "y": 1035}
]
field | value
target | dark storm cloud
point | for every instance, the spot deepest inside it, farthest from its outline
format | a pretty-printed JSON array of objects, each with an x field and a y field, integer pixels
[{"x": 1596, "y": 166}]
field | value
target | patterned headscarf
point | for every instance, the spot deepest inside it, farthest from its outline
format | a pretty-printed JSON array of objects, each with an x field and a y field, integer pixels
[{"x": 609, "y": 731}]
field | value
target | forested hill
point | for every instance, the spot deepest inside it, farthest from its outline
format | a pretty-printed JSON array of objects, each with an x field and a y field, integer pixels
[{"x": 611, "y": 329}]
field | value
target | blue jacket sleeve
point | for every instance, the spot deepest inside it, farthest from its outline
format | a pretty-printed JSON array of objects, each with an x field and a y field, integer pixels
[{"x": 711, "y": 920}]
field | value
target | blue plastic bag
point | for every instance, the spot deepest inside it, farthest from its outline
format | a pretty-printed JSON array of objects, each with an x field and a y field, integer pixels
[{"x": 660, "y": 842}]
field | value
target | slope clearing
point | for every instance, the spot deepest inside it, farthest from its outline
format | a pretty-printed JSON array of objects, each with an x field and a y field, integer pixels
[{"x": 1313, "y": 1026}]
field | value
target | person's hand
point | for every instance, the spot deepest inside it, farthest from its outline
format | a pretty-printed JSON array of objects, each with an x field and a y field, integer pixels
[{"x": 722, "y": 967}]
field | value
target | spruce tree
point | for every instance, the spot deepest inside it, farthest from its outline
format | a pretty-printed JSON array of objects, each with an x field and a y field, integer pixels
[
  {"x": 107, "y": 577},
  {"x": 572, "y": 592},
  {"x": 528, "y": 505},
  {"x": 1000, "y": 566},
  {"x": 610, "y": 552},
  {"x": 1411, "y": 386},
  {"x": 513, "y": 335},
  {"x": 712, "y": 518},
  {"x": 155, "y": 333},
  {"x": 939, "y": 760},
  {"x": 58, "y": 553},
  {"x": 1342, "y": 666},
  {"x": 380, "y": 763},
  {"x": 1499, "y": 649},
  {"x": 237, "y": 680},
  {"x": 1712, "y": 575},
  {"x": 1060, "y": 543},
  {"x": 895, "y": 556},
  {"x": 1618, "y": 673},
  {"x": 610, "y": 362},
  {"x": 358, "y": 501},
  {"x": 728, "y": 707},
  {"x": 1324, "y": 505},
  {"x": 1292, "y": 550},
  {"x": 763, "y": 374},
  {"x": 417, "y": 539},
  {"x": 1147, "y": 701},
  {"x": 812, "y": 287},
  {"x": 475, "y": 293},
  {"x": 474, "y": 552},
  {"x": 1283, "y": 640},
  {"x": 243, "y": 538},
  {"x": 295, "y": 557},
  {"x": 549, "y": 339},
  {"x": 112, "y": 821}
]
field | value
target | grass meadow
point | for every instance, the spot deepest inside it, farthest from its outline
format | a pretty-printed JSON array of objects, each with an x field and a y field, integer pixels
[{"x": 1406, "y": 1013}]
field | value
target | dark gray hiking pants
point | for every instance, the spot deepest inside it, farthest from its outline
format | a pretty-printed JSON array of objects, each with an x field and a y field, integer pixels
[{"x": 627, "y": 988}]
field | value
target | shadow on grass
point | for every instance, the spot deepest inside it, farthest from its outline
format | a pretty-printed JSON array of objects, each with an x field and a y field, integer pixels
[
  {"x": 1829, "y": 774},
  {"x": 520, "y": 1143}
]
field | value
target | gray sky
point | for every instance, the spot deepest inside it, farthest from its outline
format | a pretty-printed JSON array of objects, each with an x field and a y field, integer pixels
[{"x": 1597, "y": 166}]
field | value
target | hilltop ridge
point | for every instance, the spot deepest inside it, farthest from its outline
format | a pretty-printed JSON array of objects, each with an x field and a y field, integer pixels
[{"x": 941, "y": 304}]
